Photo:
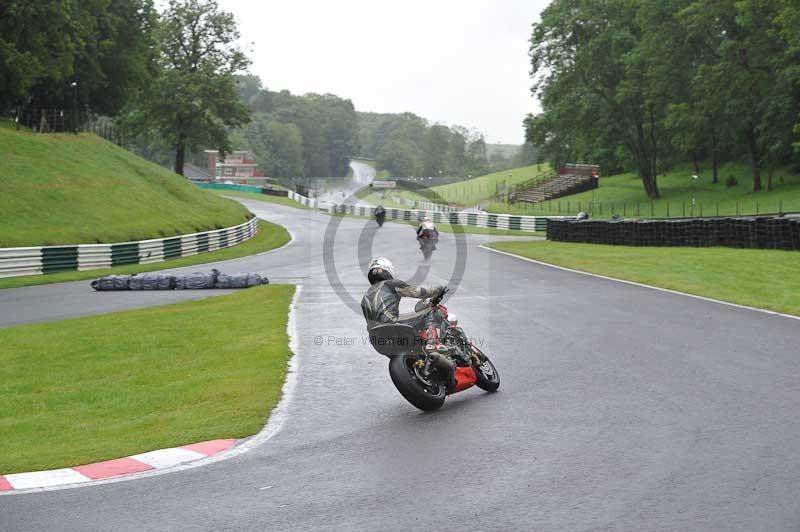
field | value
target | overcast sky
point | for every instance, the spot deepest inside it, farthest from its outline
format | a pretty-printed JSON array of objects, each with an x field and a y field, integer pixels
[{"x": 450, "y": 61}]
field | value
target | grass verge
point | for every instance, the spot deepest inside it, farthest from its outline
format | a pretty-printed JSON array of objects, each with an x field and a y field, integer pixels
[
  {"x": 623, "y": 194},
  {"x": 83, "y": 390},
  {"x": 734, "y": 275},
  {"x": 269, "y": 236}
]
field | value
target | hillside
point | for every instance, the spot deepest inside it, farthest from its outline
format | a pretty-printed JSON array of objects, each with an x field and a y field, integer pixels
[
  {"x": 76, "y": 189},
  {"x": 623, "y": 193},
  {"x": 470, "y": 192},
  {"x": 506, "y": 151}
]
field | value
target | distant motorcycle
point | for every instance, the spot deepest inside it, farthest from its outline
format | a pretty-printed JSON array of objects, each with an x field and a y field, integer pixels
[
  {"x": 427, "y": 239},
  {"x": 380, "y": 216},
  {"x": 429, "y": 365}
]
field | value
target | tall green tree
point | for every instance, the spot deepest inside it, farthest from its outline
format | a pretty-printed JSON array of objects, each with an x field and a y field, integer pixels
[
  {"x": 592, "y": 79},
  {"x": 193, "y": 100},
  {"x": 744, "y": 52},
  {"x": 434, "y": 154},
  {"x": 106, "y": 47},
  {"x": 277, "y": 147},
  {"x": 477, "y": 161},
  {"x": 398, "y": 158}
]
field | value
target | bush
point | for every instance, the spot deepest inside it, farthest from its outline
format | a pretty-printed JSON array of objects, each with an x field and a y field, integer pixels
[{"x": 731, "y": 181}]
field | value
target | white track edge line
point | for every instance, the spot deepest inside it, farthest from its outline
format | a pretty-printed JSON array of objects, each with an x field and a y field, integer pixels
[
  {"x": 274, "y": 423},
  {"x": 642, "y": 285}
]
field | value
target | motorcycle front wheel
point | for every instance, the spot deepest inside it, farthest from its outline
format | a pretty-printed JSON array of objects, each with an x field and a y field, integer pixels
[
  {"x": 425, "y": 392},
  {"x": 486, "y": 373}
]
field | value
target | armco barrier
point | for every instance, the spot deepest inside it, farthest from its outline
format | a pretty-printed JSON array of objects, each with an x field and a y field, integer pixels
[
  {"x": 429, "y": 206},
  {"x": 482, "y": 219},
  {"x": 767, "y": 232},
  {"x": 302, "y": 200},
  {"x": 39, "y": 260},
  {"x": 438, "y": 213}
]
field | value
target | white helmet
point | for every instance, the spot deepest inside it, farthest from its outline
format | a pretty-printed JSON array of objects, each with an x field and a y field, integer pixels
[{"x": 380, "y": 269}]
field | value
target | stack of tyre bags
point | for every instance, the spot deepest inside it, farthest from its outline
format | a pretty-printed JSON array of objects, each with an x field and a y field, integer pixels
[{"x": 188, "y": 281}]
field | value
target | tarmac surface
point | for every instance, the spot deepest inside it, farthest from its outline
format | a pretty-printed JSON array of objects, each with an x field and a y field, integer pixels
[{"x": 620, "y": 408}]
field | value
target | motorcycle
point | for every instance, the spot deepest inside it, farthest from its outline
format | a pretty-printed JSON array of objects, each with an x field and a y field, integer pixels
[
  {"x": 426, "y": 366},
  {"x": 427, "y": 243},
  {"x": 380, "y": 217}
]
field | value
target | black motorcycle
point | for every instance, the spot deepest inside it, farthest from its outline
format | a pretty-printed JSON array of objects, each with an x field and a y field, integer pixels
[{"x": 380, "y": 216}]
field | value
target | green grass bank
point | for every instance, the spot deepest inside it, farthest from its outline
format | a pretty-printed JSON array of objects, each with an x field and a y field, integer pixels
[
  {"x": 469, "y": 192},
  {"x": 83, "y": 390},
  {"x": 81, "y": 189},
  {"x": 623, "y": 194}
]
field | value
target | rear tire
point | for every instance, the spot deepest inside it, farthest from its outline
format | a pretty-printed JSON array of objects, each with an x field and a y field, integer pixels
[
  {"x": 420, "y": 394},
  {"x": 486, "y": 373}
]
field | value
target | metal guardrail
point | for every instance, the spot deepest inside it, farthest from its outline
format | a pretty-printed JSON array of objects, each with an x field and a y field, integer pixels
[
  {"x": 474, "y": 219},
  {"x": 49, "y": 259}
]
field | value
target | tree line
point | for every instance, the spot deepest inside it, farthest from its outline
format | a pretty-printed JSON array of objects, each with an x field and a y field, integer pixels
[
  {"x": 175, "y": 82},
  {"x": 296, "y": 136},
  {"x": 104, "y": 47},
  {"x": 167, "y": 77},
  {"x": 646, "y": 84}
]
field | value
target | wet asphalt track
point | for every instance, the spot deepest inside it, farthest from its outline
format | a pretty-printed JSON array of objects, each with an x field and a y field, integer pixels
[{"x": 621, "y": 408}]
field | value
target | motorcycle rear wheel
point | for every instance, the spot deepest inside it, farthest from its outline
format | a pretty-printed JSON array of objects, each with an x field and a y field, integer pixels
[{"x": 423, "y": 395}]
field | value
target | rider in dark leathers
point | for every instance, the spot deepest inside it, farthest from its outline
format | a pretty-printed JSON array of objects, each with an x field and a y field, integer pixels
[
  {"x": 380, "y": 214},
  {"x": 381, "y": 303}
]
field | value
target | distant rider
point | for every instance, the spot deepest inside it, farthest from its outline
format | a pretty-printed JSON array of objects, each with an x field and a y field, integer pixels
[
  {"x": 428, "y": 228},
  {"x": 380, "y": 214}
]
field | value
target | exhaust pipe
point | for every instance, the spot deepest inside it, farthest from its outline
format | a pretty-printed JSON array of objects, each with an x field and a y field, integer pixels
[{"x": 445, "y": 366}]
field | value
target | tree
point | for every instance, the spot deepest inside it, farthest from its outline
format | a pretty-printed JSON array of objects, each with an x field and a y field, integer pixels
[
  {"x": 193, "y": 99},
  {"x": 398, "y": 158},
  {"x": 477, "y": 162},
  {"x": 249, "y": 87},
  {"x": 434, "y": 151},
  {"x": 277, "y": 147},
  {"x": 592, "y": 79},
  {"x": 745, "y": 51},
  {"x": 105, "y": 46},
  {"x": 526, "y": 155}
]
